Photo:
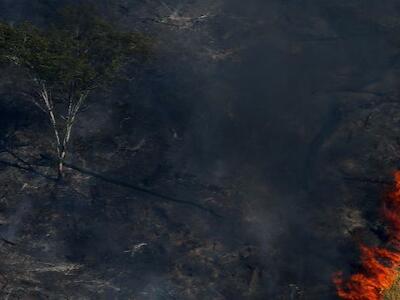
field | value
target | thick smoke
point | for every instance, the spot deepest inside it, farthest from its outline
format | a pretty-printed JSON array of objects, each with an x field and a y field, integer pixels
[
  {"x": 264, "y": 116},
  {"x": 253, "y": 92}
]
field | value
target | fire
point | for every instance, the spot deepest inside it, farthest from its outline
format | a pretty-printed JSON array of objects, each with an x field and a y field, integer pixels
[{"x": 379, "y": 266}]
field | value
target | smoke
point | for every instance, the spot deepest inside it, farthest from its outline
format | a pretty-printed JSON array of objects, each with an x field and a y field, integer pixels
[
  {"x": 251, "y": 94},
  {"x": 265, "y": 116},
  {"x": 16, "y": 221}
]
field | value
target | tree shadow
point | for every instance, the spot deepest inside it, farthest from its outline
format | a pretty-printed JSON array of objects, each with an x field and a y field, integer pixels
[
  {"x": 26, "y": 166},
  {"x": 141, "y": 189}
]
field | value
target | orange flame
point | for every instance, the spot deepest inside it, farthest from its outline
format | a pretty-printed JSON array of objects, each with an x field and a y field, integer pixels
[{"x": 379, "y": 266}]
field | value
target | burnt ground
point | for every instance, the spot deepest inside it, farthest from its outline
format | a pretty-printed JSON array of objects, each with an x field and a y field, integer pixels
[{"x": 265, "y": 132}]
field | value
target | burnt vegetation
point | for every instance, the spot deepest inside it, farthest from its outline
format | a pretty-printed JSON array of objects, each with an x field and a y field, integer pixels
[
  {"x": 87, "y": 206},
  {"x": 205, "y": 149}
]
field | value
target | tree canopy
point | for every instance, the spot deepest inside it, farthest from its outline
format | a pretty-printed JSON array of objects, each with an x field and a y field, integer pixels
[{"x": 79, "y": 52}]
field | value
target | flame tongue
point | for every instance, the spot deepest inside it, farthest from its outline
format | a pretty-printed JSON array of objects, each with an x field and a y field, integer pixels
[{"x": 379, "y": 266}]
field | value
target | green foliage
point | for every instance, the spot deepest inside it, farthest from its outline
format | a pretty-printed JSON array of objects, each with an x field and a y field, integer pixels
[{"x": 80, "y": 52}]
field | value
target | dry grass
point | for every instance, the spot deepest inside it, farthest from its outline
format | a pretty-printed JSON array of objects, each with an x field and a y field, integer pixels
[{"x": 394, "y": 292}]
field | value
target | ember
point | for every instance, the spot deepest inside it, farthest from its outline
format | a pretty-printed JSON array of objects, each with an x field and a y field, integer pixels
[{"x": 379, "y": 266}]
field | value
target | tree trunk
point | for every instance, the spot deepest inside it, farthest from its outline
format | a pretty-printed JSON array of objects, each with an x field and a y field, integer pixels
[
  {"x": 62, "y": 137},
  {"x": 60, "y": 168}
]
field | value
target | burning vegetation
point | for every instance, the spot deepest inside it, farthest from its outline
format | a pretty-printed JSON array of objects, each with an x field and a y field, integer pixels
[{"x": 379, "y": 265}]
